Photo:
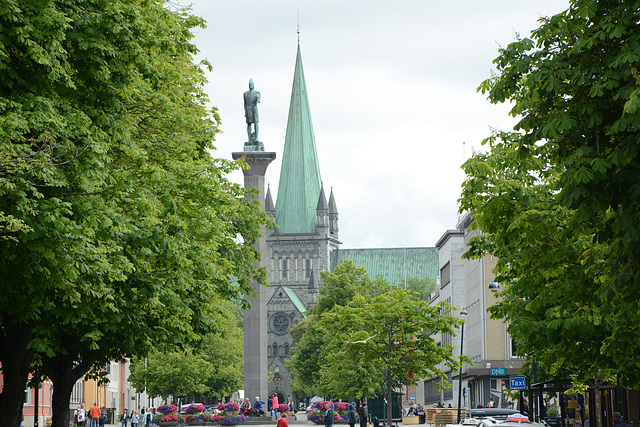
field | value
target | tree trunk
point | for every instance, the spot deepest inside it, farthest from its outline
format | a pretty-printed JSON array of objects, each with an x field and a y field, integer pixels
[
  {"x": 598, "y": 397},
  {"x": 63, "y": 376},
  {"x": 388, "y": 397},
  {"x": 15, "y": 358}
]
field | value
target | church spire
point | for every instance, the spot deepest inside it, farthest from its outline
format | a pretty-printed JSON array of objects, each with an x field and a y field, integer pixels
[
  {"x": 299, "y": 186},
  {"x": 333, "y": 215},
  {"x": 268, "y": 204}
]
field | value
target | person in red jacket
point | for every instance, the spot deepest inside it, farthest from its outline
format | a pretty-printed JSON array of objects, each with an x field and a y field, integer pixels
[{"x": 282, "y": 421}]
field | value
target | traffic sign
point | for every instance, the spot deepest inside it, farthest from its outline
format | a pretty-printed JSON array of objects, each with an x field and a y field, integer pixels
[
  {"x": 498, "y": 372},
  {"x": 517, "y": 383}
]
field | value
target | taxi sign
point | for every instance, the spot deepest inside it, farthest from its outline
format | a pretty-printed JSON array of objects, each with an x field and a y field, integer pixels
[
  {"x": 518, "y": 418},
  {"x": 517, "y": 383}
]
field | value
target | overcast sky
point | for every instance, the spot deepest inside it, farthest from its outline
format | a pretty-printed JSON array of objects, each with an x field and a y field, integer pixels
[{"x": 392, "y": 91}]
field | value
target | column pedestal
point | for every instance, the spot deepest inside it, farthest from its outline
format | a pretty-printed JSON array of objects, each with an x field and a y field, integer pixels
[{"x": 255, "y": 318}]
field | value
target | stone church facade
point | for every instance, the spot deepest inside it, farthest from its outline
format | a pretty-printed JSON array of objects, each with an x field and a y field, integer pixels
[{"x": 306, "y": 241}]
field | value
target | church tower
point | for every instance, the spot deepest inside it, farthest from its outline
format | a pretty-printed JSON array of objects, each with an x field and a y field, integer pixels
[{"x": 306, "y": 234}]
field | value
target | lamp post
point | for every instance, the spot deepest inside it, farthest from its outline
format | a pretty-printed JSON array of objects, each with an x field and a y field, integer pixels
[{"x": 463, "y": 315}]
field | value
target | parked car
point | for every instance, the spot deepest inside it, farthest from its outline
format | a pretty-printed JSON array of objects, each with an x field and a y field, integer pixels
[
  {"x": 499, "y": 414},
  {"x": 492, "y": 416}
]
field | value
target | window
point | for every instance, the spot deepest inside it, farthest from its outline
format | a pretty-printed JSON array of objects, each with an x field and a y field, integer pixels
[
  {"x": 285, "y": 269},
  {"x": 445, "y": 275},
  {"x": 275, "y": 350},
  {"x": 307, "y": 268},
  {"x": 286, "y": 349}
]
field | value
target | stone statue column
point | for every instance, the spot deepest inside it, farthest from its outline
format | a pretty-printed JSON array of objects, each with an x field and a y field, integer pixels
[{"x": 255, "y": 318}]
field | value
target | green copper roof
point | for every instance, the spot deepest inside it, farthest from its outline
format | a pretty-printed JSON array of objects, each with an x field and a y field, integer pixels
[
  {"x": 295, "y": 299},
  {"x": 392, "y": 263},
  {"x": 300, "y": 181}
]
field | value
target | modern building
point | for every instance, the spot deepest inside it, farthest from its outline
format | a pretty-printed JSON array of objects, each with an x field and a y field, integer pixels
[{"x": 468, "y": 285}]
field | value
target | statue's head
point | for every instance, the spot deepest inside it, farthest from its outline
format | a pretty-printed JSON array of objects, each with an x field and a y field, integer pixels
[{"x": 250, "y": 83}]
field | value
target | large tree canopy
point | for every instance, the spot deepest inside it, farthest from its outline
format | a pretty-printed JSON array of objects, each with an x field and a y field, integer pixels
[
  {"x": 117, "y": 227},
  {"x": 559, "y": 198}
]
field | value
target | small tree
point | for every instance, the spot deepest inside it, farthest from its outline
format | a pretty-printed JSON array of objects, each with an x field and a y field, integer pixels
[{"x": 393, "y": 335}]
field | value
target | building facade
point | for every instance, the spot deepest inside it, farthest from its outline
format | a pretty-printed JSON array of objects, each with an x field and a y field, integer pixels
[{"x": 468, "y": 285}]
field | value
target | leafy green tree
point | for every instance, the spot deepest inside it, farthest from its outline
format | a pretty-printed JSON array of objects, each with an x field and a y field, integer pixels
[
  {"x": 392, "y": 334},
  {"x": 557, "y": 200},
  {"x": 575, "y": 88},
  {"x": 174, "y": 373},
  {"x": 213, "y": 368},
  {"x": 550, "y": 304},
  {"x": 310, "y": 343},
  {"x": 307, "y": 359},
  {"x": 341, "y": 286},
  {"x": 117, "y": 227}
]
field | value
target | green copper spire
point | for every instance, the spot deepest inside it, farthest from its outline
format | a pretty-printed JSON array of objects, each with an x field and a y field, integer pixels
[{"x": 299, "y": 186}]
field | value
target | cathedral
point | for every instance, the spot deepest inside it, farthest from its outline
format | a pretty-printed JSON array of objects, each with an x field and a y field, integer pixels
[{"x": 306, "y": 241}]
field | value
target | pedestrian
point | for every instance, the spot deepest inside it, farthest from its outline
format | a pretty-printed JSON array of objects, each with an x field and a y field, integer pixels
[
  {"x": 134, "y": 418},
  {"x": 78, "y": 416},
  {"x": 351, "y": 416},
  {"x": 363, "y": 415},
  {"x": 148, "y": 417},
  {"x": 328, "y": 416},
  {"x": 274, "y": 406},
  {"x": 617, "y": 420},
  {"x": 124, "y": 418},
  {"x": 282, "y": 421},
  {"x": 290, "y": 403},
  {"x": 103, "y": 416},
  {"x": 94, "y": 415}
]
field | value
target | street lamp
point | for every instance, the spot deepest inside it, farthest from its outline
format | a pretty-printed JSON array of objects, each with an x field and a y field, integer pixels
[{"x": 463, "y": 315}]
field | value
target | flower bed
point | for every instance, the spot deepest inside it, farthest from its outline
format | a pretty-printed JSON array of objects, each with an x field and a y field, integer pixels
[
  {"x": 167, "y": 409},
  {"x": 229, "y": 406},
  {"x": 224, "y": 419},
  {"x": 167, "y": 418},
  {"x": 194, "y": 409},
  {"x": 319, "y": 408}
]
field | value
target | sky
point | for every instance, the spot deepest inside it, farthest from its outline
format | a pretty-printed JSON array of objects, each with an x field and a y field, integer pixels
[{"x": 392, "y": 93}]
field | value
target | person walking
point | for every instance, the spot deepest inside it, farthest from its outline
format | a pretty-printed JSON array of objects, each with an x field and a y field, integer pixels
[
  {"x": 124, "y": 418},
  {"x": 351, "y": 416},
  {"x": 94, "y": 415},
  {"x": 363, "y": 414},
  {"x": 282, "y": 421},
  {"x": 328, "y": 416},
  {"x": 79, "y": 415},
  {"x": 103, "y": 416},
  {"x": 617, "y": 420},
  {"x": 274, "y": 406},
  {"x": 134, "y": 418},
  {"x": 148, "y": 416}
]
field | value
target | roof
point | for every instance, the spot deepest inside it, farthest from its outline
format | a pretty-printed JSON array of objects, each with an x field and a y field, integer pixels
[
  {"x": 295, "y": 299},
  {"x": 299, "y": 185},
  {"x": 392, "y": 264}
]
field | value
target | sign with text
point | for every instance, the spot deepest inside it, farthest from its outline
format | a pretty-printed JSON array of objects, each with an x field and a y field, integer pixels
[
  {"x": 498, "y": 372},
  {"x": 517, "y": 383}
]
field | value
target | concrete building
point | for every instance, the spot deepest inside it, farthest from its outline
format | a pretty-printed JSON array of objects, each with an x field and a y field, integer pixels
[{"x": 468, "y": 285}]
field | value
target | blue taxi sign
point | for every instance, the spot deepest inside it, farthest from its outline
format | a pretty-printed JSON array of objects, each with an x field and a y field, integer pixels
[{"x": 517, "y": 383}]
